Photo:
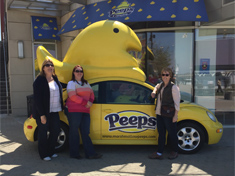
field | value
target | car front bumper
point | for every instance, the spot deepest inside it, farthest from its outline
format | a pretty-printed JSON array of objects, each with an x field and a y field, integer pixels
[{"x": 29, "y": 128}]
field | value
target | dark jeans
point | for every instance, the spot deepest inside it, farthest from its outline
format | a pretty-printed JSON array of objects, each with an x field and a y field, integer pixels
[
  {"x": 219, "y": 89},
  {"x": 163, "y": 124},
  {"x": 79, "y": 120},
  {"x": 46, "y": 145}
]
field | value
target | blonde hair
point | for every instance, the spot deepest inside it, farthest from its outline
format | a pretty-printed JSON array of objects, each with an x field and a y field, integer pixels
[
  {"x": 42, "y": 73},
  {"x": 166, "y": 69}
]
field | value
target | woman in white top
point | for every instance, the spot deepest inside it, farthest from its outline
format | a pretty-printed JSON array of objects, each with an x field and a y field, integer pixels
[
  {"x": 48, "y": 102},
  {"x": 167, "y": 108}
]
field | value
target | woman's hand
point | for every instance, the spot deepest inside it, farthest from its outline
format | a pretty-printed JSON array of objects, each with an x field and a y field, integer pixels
[
  {"x": 175, "y": 118},
  {"x": 89, "y": 104},
  {"x": 43, "y": 119},
  {"x": 153, "y": 95}
]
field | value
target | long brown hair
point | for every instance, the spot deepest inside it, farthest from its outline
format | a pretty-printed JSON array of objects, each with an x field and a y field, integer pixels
[
  {"x": 82, "y": 79},
  {"x": 42, "y": 73}
]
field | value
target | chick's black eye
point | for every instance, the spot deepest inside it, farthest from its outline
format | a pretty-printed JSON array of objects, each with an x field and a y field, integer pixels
[{"x": 116, "y": 30}]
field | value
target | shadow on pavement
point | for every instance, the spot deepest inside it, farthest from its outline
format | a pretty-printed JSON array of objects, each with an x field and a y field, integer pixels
[{"x": 20, "y": 157}]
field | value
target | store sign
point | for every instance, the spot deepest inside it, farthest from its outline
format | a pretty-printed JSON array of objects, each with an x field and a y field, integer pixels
[
  {"x": 136, "y": 11},
  {"x": 44, "y": 28},
  {"x": 130, "y": 121},
  {"x": 204, "y": 66},
  {"x": 123, "y": 9}
]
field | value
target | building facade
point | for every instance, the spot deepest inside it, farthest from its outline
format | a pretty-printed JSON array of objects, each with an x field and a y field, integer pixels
[{"x": 202, "y": 54}]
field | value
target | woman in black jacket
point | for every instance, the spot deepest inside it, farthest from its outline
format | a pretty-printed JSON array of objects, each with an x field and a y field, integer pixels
[{"x": 48, "y": 102}]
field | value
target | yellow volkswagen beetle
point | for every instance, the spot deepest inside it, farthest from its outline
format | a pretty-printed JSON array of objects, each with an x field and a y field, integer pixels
[{"x": 123, "y": 111}]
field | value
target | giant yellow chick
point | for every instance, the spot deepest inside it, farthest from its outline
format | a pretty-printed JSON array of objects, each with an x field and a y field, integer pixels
[{"x": 102, "y": 50}]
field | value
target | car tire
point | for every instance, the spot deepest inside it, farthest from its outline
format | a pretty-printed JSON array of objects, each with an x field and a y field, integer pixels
[
  {"x": 62, "y": 141},
  {"x": 191, "y": 137}
]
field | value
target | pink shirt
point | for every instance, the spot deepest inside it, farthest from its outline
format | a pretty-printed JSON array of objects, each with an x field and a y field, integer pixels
[{"x": 78, "y": 96}]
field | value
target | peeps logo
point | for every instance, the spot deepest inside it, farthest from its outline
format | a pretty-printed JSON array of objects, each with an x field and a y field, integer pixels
[
  {"x": 45, "y": 27},
  {"x": 130, "y": 121},
  {"x": 123, "y": 9}
]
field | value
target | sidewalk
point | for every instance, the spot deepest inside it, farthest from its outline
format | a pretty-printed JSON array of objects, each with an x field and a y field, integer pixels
[{"x": 20, "y": 157}]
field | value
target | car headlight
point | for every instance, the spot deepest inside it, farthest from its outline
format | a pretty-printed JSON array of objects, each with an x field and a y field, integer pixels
[{"x": 212, "y": 117}]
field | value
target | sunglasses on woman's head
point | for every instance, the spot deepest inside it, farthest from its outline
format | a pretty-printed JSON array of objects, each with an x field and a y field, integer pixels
[
  {"x": 48, "y": 65},
  {"x": 77, "y": 71},
  {"x": 165, "y": 74}
]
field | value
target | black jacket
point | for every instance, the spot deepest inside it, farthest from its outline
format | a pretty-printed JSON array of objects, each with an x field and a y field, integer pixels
[
  {"x": 167, "y": 98},
  {"x": 41, "y": 96}
]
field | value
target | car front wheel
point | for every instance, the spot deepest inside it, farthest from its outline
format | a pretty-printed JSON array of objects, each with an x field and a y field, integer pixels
[
  {"x": 62, "y": 140},
  {"x": 191, "y": 137}
]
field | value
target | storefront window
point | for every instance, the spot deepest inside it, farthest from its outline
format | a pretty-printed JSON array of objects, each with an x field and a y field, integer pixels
[
  {"x": 215, "y": 74},
  {"x": 172, "y": 49}
]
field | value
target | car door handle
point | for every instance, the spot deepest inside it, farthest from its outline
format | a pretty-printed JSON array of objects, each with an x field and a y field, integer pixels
[{"x": 108, "y": 110}]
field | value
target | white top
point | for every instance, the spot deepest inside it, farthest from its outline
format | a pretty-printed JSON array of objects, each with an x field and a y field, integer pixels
[
  {"x": 55, "y": 105},
  {"x": 175, "y": 95}
]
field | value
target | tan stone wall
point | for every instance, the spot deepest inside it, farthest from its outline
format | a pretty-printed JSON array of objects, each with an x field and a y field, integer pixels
[{"x": 21, "y": 70}]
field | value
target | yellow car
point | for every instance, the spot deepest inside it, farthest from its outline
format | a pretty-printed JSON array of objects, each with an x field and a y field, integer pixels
[
  {"x": 123, "y": 111},
  {"x": 123, "y": 114}
]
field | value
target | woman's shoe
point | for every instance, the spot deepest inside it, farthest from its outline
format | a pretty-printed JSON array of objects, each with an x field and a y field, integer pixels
[
  {"x": 47, "y": 158},
  {"x": 54, "y": 156},
  {"x": 77, "y": 157},
  {"x": 173, "y": 155},
  {"x": 96, "y": 156},
  {"x": 155, "y": 156}
]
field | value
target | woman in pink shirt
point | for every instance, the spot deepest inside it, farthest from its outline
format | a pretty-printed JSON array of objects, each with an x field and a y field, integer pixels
[{"x": 80, "y": 99}]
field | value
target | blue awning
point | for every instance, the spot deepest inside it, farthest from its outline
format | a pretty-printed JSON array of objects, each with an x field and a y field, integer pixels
[
  {"x": 45, "y": 28},
  {"x": 136, "y": 11}
]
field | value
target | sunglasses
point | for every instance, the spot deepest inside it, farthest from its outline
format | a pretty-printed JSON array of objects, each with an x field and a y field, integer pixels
[
  {"x": 77, "y": 71},
  {"x": 48, "y": 65},
  {"x": 165, "y": 74}
]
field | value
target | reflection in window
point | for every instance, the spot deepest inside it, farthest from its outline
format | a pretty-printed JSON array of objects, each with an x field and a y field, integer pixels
[
  {"x": 215, "y": 74},
  {"x": 140, "y": 56},
  {"x": 127, "y": 93},
  {"x": 95, "y": 88},
  {"x": 172, "y": 49}
]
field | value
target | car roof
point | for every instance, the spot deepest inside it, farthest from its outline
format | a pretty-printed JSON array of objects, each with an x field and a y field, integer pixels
[{"x": 146, "y": 84}]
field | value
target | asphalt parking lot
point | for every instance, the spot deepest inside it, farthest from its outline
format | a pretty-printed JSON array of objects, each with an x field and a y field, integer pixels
[{"x": 19, "y": 157}]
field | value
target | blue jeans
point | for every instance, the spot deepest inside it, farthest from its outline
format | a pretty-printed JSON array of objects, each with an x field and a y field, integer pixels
[
  {"x": 46, "y": 145},
  {"x": 79, "y": 120},
  {"x": 163, "y": 124}
]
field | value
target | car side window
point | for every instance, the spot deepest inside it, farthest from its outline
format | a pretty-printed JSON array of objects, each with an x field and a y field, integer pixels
[
  {"x": 120, "y": 92},
  {"x": 95, "y": 88}
]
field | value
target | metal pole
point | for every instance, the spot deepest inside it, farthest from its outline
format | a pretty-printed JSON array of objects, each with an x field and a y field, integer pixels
[{"x": 5, "y": 67}]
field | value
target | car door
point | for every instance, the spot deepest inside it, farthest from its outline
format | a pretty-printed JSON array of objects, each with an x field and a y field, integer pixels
[
  {"x": 128, "y": 113},
  {"x": 95, "y": 114}
]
